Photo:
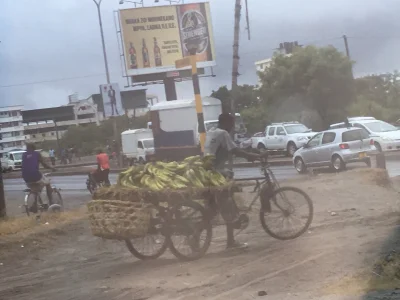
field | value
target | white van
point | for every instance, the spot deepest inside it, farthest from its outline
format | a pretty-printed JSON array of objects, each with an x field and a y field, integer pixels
[
  {"x": 12, "y": 160},
  {"x": 137, "y": 144}
]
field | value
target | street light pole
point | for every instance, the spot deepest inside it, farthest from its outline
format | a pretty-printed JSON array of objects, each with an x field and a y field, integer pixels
[
  {"x": 102, "y": 39},
  {"x": 115, "y": 130}
]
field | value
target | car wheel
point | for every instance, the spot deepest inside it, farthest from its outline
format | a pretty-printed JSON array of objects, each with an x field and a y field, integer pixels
[
  {"x": 338, "y": 163},
  {"x": 299, "y": 165},
  {"x": 378, "y": 147},
  {"x": 291, "y": 149},
  {"x": 261, "y": 147}
]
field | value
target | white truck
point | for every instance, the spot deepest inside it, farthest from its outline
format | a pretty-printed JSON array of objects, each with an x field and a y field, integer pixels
[
  {"x": 137, "y": 145},
  {"x": 284, "y": 137},
  {"x": 175, "y": 126}
]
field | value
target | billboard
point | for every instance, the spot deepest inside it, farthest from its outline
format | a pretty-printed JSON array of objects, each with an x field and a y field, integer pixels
[
  {"x": 111, "y": 99},
  {"x": 155, "y": 37}
]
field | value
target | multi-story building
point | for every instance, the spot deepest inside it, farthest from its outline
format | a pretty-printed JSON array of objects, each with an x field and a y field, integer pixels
[{"x": 11, "y": 128}]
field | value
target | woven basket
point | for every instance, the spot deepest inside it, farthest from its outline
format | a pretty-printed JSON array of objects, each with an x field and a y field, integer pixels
[{"x": 118, "y": 220}]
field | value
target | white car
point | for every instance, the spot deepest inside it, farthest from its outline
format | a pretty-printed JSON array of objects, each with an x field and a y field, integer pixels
[
  {"x": 284, "y": 137},
  {"x": 386, "y": 136}
]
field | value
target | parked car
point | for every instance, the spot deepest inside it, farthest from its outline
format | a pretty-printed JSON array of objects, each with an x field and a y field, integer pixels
[
  {"x": 386, "y": 136},
  {"x": 335, "y": 148},
  {"x": 284, "y": 137}
]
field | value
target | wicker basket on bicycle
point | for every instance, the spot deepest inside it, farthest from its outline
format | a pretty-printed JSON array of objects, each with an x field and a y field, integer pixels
[{"x": 123, "y": 213}]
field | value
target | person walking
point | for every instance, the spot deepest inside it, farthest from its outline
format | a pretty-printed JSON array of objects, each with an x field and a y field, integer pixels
[{"x": 52, "y": 157}]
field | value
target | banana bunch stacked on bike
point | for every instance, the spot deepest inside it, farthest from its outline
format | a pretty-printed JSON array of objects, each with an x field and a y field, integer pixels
[{"x": 193, "y": 172}]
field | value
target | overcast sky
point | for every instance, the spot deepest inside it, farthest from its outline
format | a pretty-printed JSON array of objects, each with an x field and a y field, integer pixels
[{"x": 49, "y": 40}]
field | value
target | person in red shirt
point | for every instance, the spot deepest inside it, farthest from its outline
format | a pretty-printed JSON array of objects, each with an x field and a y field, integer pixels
[{"x": 103, "y": 166}]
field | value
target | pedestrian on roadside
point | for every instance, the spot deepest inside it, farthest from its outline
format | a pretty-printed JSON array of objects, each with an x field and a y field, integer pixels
[
  {"x": 63, "y": 157},
  {"x": 52, "y": 157}
]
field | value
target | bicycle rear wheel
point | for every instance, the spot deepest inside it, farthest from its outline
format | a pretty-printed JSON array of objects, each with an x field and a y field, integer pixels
[
  {"x": 190, "y": 228},
  {"x": 154, "y": 244},
  {"x": 285, "y": 203}
]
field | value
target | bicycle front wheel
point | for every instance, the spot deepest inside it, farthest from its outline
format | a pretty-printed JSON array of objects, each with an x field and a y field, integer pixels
[
  {"x": 190, "y": 231},
  {"x": 154, "y": 243},
  {"x": 289, "y": 215}
]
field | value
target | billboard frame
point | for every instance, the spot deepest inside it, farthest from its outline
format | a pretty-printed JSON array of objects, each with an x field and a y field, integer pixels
[{"x": 132, "y": 82}]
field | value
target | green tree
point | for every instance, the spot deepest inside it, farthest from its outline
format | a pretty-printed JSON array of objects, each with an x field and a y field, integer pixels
[
  {"x": 246, "y": 96},
  {"x": 90, "y": 137},
  {"x": 377, "y": 96},
  {"x": 319, "y": 77}
]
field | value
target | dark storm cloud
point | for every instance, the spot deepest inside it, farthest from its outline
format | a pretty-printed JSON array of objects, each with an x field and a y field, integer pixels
[{"x": 60, "y": 39}]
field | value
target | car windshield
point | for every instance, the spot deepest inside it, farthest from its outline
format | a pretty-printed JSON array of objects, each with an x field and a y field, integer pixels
[
  {"x": 18, "y": 155},
  {"x": 296, "y": 128},
  {"x": 380, "y": 126},
  {"x": 148, "y": 143}
]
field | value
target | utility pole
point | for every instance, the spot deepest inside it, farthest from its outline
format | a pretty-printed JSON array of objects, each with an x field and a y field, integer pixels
[
  {"x": 3, "y": 212},
  {"x": 235, "y": 63},
  {"x": 235, "y": 67},
  {"x": 346, "y": 45},
  {"x": 115, "y": 130}
]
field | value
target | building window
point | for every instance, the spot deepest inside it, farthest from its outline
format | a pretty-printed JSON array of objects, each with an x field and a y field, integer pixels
[
  {"x": 43, "y": 134},
  {"x": 14, "y": 113},
  {"x": 33, "y": 135},
  {"x": 52, "y": 133}
]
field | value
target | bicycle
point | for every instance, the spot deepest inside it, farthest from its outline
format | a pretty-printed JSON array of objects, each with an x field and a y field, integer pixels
[
  {"x": 268, "y": 191},
  {"x": 177, "y": 220},
  {"x": 37, "y": 206}
]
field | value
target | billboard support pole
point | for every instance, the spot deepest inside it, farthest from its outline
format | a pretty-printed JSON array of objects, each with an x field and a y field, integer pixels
[{"x": 170, "y": 88}]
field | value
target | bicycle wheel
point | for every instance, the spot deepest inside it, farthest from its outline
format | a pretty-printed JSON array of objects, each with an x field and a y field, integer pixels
[
  {"x": 57, "y": 199},
  {"x": 154, "y": 244},
  {"x": 187, "y": 224},
  {"x": 285, "y": 203}
]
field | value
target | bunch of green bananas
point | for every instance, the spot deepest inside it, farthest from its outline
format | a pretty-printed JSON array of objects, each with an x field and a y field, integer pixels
[{"x": 192, "y": 172}]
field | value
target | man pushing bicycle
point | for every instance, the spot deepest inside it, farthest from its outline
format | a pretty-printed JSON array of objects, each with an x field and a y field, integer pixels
[{"x": 220, "y": 144}]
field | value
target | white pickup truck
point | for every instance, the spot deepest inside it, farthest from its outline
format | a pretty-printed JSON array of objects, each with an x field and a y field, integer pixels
[{"x": 283, "y": 137}]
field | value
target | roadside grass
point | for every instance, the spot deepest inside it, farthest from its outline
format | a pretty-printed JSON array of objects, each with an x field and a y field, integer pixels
[
  {"x": 384, "y": 276},
  {"x": 29, "y": 225}
]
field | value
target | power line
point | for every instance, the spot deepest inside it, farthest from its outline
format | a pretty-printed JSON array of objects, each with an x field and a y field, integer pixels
[{"x": 51, "y": 80}]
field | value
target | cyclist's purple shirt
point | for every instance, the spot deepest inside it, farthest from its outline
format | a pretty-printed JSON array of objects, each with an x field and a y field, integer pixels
[{"x": 30, "y": 166}]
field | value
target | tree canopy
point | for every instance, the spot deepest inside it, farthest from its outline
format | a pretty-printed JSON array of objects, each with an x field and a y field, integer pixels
[
  {"x": 321, "y": 78},
  {"x": 88, "y": 138}
]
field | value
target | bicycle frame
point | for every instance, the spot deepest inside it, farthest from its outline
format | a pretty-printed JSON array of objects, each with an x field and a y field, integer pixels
[{"x": 269, "y": 180}]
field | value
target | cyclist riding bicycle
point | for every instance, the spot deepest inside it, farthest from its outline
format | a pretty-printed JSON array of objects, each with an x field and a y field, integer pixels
[
  {"x": 31, "y": 160},
  {"x": 220, "y": 144}
]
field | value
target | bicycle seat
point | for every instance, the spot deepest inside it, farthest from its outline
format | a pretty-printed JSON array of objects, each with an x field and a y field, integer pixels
[
  {"x": 47, "y": 174},
  {"x": 27, "y": 190}
]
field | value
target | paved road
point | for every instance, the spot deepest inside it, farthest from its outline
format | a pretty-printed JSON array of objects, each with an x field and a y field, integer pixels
[{"x": 78, "y": 182}]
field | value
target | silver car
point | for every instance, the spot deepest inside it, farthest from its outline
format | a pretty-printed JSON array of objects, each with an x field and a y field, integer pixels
[{"x": 334, "y": 148}]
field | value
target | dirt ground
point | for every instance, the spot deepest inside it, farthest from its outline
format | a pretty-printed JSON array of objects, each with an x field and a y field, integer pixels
[{"x": 356, "y": 221}]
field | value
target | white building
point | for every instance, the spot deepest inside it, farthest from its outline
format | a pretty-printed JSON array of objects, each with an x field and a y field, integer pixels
[{"x": 11, "y": 128}]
